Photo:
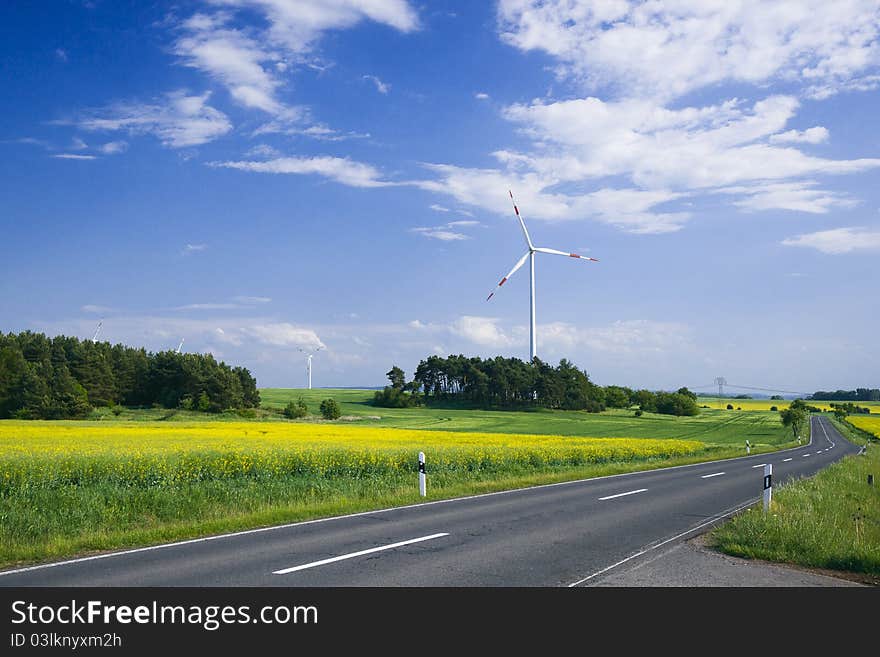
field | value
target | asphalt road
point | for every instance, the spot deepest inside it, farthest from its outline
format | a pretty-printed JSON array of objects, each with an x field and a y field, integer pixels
[{"x": 557, "y": 535}]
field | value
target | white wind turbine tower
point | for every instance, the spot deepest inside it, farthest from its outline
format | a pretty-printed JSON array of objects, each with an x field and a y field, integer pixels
[
  {"x": 530, "y": 254},
  {"x": 180, "y": 346},
  {"x": 97, "y": 331},
  {"x": 309, "y": 354}
]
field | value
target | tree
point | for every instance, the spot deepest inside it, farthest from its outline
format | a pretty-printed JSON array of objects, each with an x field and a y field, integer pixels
[
  {"x": 397, "y": 377},
  {"x": 674, "y": 403},
  {"x": 296, "y": 409},
  {"x": 840, "y": 413},
  {"x": 330, "y": 409},
  {"x": 684, "y": 391},
  {"x": 617, "y": 397},
  {"x": 794, "y": 417}
]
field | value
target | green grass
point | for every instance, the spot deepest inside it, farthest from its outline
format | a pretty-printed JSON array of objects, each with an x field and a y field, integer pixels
[
  {"x": 729, "y": 428},
  {"x": 829, "y": 521}
]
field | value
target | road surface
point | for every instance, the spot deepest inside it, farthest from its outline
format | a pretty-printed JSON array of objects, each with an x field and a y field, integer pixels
[{"x": 557, "y": 535}]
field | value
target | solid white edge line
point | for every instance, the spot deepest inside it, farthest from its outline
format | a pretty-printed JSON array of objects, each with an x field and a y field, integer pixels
[
  {"x": 352, "y": 555},
  {"x": 662, "y": 543},
  {"x": 258, "y": 530},
  {"x": 632, "y": 492},
  {"x": 760, "y": 465},
  {"x": 716, "y": 474}
]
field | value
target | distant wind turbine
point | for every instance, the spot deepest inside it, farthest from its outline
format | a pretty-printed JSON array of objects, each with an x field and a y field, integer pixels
[
  {"x": 180, "y": 346},
  {"x": 530, "y": 254},
  {"x": 97, "y": 331},
  {"x": 309, "y": 354}
]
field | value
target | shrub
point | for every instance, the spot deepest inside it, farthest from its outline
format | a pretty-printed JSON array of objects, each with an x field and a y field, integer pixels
[
  {"x": 296, "y": 409},
  {"x": 730, "y": 407},
  {"x": 392, "y": 397},
  {"x": 117, "y": 410},
  {"x": 638, "y": 412},
  {"x": 774, "y": 408},
  {"x": 330, "y": 409}
]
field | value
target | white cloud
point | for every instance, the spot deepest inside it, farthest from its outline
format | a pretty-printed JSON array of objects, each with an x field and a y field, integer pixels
[
  {"x": 482, "y": 331},
  {"x": 296, "y": 26},
  {"x": 61, "y": 54},
  {"x": 463, "y": 223},
  {"x": 194, "y": 248},
  {"x": 178, "y": 120},
  {"x": 438, "y": 208},
  {"x": 237, "y": 60},
  {"x": 251, "y": 300},
  {"x": 638, "y": 336},
  {"x": 669, "y": 49},
  {"x": 440, "y": 233},
  {"x": 481, "y": 96},
  {"x": 839, "y": 240},
  {"x": 283, "y": 334},
  {"x": 114, "y": 147},
  {"x": 73, "y": 156},
  {"x": 814, "y": 135},
  {"x": 658, "y": 148},
  {"x": 78, "y": 144},
  {"x": 93, "y": 308},
  {"x": 208, "y": 306},
  {"x": 797, "y": 196},
  {"x": 381, "y": 87},
  {"x": 342, "y": 170},
  {"x": 263, "y": 150},
  {"x": 253, "y": 60},
  {"x": 632, "y": 210}
]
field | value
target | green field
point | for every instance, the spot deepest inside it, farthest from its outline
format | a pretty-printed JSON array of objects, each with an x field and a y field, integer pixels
[
  {"x": 710, "y": 426},
  {"x": 830, "y": 521}
]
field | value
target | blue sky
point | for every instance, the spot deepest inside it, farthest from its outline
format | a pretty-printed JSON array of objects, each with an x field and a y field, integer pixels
[{"x": 259, "y": 176}]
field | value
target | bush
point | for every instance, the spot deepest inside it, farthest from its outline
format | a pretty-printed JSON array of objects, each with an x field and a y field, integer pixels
[
  {"x": 296, "y": 409},
  {"x": 248, "y": 413},
  {"x": 676, "y": 403},
  {"x": 638, "y": 412},
  {"x": 330, "y": 409},
  {"x": 117, "y": 410},
  {"x": 774, "y": 408},
  {"x": 730, "y": 407},
  {"x": 392, "y": 397}
]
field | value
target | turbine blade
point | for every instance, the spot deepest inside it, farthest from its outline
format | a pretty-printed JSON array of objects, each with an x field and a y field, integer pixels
[
  {"x": 521, "y": 222},
  {"x": 519, "y": 264},
  {"x": 565, "y": 253}
]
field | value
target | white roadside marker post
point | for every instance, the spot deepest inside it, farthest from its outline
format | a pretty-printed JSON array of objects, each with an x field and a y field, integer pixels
[
  {"x": 748, "y": 447},
  {"x": 423, "y": 487},
  {"x": 768, "y": 485}
]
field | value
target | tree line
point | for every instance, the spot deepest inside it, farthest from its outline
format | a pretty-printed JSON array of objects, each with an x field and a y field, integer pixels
[
  {"x": 859, "y": 394},
  {"x": 65, "y": 377},
  {"x": 513, "y": 383}
]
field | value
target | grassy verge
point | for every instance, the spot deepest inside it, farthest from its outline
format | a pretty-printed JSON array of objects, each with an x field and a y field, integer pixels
[
  {"x": 829, "y": 521},
  {"x": 48, "y": 523}
]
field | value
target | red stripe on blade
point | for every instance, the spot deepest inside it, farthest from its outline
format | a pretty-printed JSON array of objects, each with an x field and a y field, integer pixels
[
  {"x": 573, "y": 255},
  {"x": 503, "y": 281}
]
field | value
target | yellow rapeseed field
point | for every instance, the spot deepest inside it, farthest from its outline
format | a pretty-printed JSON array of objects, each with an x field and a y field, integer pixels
[
  {"x": 75, "y": 453},
  {"x": 870, "y": 423},
  {"x": 767, "y": 404}
]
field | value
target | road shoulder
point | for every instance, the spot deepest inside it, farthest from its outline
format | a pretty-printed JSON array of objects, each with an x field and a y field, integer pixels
[{"x": 693, "y": 563}]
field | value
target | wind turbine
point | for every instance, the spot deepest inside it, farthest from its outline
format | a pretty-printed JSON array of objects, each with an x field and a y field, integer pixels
[
  {"x": 310, "y": 354},
  {"x": 97, "y": 331},
  {"x": 530, "y": 255},
  {"x": 180, "y": 346}
]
